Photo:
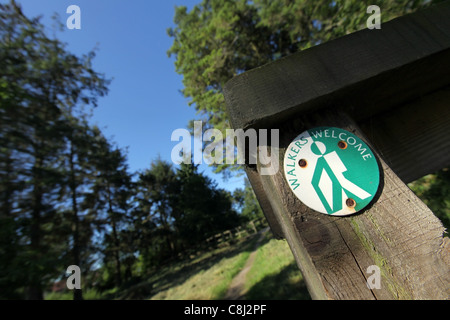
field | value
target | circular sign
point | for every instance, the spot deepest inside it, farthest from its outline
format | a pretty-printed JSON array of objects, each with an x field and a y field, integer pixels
[{"x": 331, "y": 171}]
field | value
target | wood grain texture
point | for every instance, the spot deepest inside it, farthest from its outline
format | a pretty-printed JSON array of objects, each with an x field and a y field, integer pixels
[
  {"x": 413, "y": 138},
  {"x": 261, "y": 196},
  {"x": 398, "y": 233}
]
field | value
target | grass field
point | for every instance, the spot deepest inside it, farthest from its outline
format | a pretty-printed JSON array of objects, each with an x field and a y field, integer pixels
[
  {"x": 204, "y": 278},
  {"x": 273, "y": 275}
]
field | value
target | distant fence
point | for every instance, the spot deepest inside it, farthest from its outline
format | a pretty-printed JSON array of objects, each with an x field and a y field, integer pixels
[{"x": 226, "y": 238}]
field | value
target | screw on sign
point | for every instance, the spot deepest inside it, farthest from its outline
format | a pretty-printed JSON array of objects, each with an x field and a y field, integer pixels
[{"x": 331, "y": 171}]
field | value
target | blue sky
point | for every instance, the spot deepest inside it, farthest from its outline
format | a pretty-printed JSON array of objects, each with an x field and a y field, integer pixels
[{"x": 144, "y": 104}]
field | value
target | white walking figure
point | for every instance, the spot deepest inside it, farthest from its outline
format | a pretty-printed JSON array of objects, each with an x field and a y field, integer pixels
[{"x": 328, "y": 175}]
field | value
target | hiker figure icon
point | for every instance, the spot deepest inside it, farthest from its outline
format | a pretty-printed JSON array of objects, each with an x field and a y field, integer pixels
[{"x": 329, "y": 182}]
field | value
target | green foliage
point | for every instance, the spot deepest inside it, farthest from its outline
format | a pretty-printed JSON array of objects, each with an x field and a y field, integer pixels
[
  {"x": 246, "y": 203},
  {"x": 110, "y": 194},
  {"x": 179, "y": 208},
  {"x": 61, "y": 180},
  {"x": 219, "y": 39},
  {"x": 42, "y": 88},
  {"x": 434, "y": 191},
  {"x": 204, "y": 210}
]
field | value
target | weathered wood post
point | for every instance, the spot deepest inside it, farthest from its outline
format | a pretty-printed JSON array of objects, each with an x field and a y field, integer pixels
[{"x": 391, "y": 88}]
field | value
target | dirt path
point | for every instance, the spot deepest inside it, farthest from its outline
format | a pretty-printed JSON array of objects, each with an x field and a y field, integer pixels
[{"x": 236, "y": 290}]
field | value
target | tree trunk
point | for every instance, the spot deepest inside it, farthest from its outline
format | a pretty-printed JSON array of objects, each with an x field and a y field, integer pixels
[
  {"x": 6, "y": 205},
  {"x": 34, "y": 291},
  {"x": 77, "y": 293},
  {"x": 116, "y": 243}
]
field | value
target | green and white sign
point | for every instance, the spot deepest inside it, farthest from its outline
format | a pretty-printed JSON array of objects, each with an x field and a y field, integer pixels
[{"x": 331, "y": 171}]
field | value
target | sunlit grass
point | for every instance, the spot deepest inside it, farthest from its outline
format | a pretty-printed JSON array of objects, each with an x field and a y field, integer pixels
[
  {"x": 274, "y": 274},
  {"x": 212, "y": 282},
  {"x": 90, "y": 294}
]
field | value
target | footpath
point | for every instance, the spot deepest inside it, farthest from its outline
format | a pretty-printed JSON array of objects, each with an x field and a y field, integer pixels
[{"x": 236, "y": 291}]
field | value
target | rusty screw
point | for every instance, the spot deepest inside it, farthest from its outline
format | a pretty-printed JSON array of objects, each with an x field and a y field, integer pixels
[
  {"x": 350, "y": 203},
  {"x": 342, "y": 144},
  {"x": 302, "y": 163}
]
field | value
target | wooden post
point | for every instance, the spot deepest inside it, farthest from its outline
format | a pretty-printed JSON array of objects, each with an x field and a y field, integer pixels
[{"x": 391, "y": 88}]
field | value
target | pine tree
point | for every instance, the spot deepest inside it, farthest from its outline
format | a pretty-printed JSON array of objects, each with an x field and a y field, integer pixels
[
  {"x": 108, "y": 198},
  {"x": 41, "y": 84}
]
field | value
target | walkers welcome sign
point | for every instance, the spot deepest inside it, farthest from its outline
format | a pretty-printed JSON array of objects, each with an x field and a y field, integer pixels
[{"x": 331, "y": 171}]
